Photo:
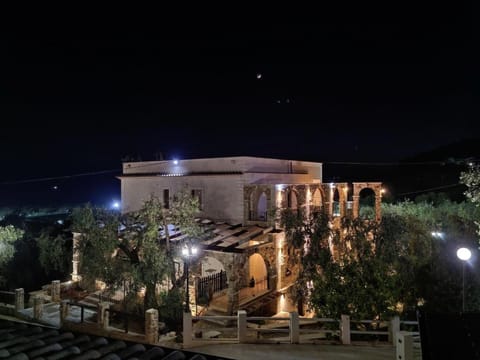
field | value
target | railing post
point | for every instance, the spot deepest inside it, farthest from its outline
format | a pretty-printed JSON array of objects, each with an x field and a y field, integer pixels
[
  {"x": 294, "y": 328},
  {"x": 19, "y": 299},
  {"x": 55, "y": 291},
  {"x": 103, "y": 315},
  {"x": 37, "y": 307},
  {"x": 64, "y": 309},
  {"x": 242, "y": 326},
  {"x": 345, "y": 330},
  {"x": 404, "y": 348},
  {"x": 151, "y": 326},
  {"x": 393, "y": 329},
  {"x": 187, "y": 329}
]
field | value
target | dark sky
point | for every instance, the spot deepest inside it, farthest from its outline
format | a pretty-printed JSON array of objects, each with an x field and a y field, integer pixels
[{"x": 369, "y": 87}]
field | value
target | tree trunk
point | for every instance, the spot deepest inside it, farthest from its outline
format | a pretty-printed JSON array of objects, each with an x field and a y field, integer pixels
[{"x": 150, "y": 299}]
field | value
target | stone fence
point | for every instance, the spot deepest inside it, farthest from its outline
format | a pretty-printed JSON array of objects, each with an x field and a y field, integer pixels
[
  {"x": 46, "y": 306},
  {"x": 292, "y": 329}
]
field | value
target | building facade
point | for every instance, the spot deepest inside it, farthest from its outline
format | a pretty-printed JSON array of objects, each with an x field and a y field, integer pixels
[{"x": 243, "y": 266}]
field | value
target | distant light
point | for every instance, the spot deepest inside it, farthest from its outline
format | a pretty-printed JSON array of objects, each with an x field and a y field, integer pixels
[
  {"x": 464, "y": 254},
  {"x": 383, "y": 191},
  {"x": 116, "y": 205},
  {"x": 279, "y": 187},
  {"x": 175, "y": 162},
  {"x": 60, "y": 222},
  {"x": 259, "y": 76},
  {"x": 55, "y": 187},
  {"x": 332, "y": 185}
]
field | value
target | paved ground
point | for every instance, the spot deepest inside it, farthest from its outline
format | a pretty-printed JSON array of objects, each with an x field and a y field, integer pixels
[{"x": 293, "y": 352}]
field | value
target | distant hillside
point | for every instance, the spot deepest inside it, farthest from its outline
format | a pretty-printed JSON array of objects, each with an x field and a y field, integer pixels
[
  {"x": 434, "y": 171},
  {"x": 467, "y": 149}
]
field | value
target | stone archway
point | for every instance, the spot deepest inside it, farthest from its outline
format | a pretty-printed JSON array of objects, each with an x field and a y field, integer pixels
[
  {"x": 291, "y": 198},
  {"x": 257, "y": 202},
  {"x": 262, "y": 207},
  {"x": 317, "y": 199},
  {"x": 377, "y": 190},
  {"x": 257, "y": 271}
]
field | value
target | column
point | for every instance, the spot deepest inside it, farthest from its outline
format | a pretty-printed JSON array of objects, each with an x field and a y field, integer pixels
[
  {"x": 76, "y": 257},
  {"x": 345, "y": 329},
  {"x": 378, "y": 207},
  {"x": 356, "y": 201},
  {"x": 55, "y": 291},
  {"x": 151, "y": 326},
  {"x": 242, "y": 326},
  {"x": 294, "y": 328},
  {"x": 19, "y": 299},
  {"x": 64, "y": 310},
  {"x": 187, "y": 329},
  {"x": 103, "y": 318},
  {"x": 37, "y": 307}
]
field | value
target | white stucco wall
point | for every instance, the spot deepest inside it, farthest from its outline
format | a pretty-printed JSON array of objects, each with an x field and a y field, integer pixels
[
  {"x": 222, "y": 195},
  {"x": 221, "y": 181}
]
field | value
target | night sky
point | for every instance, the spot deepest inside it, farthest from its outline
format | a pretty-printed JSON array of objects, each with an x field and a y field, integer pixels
[{"x": 363, "y": 88}]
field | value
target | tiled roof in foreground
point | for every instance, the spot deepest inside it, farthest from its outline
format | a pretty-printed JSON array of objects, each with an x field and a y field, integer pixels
[{"x": 23, "y": 341}]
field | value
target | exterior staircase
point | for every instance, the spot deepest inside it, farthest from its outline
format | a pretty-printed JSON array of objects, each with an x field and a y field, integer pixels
[{"x": 259, "y": 301}]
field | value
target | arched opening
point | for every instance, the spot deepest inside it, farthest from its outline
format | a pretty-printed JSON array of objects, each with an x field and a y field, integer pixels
[
  {"x": 213, "y": 280},
  {"x": 367, "y": 204},
  {"x": 317, "y": 201},
  {"x": 257, "y": 272},
  {"x": 291, "y": 199},
  {"x": 336, "y": 202},
  {"x": 262, "y": 207}
]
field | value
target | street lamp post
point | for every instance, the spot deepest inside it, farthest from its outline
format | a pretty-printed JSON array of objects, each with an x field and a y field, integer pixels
[
  {"x": 463, "y": 254},
  {"x": 188, "y": 252}
]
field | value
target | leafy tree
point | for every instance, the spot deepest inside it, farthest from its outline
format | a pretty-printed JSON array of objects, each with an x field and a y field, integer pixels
[
  {"x": 471, "y": 179},
  {"x": 8, "y": 236},
  {"x": 116, "y": 247},
  {"x": 55, "y": 249},
  {"x": 368, "y": 269}
]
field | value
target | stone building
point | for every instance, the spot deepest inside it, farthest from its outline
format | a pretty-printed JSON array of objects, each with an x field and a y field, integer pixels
[{"x": 245, "y": 261}]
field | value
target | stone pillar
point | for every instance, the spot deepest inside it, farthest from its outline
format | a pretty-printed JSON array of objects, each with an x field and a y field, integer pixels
[
  {"x": 294, "y": 328},
  {"x": 345, "y": 330},
  {"x": 330, "y": 202},
  {"x": 187, "y": 329},
  {"x": 356, "y": 205},
  {"x": 19, "y": 299},
  {"x": 393, "y": 329},
  {"x": 236, "y": 266},
  {"x": 76, "y": 257},
  {"x": 242, "y": 326},
  {"x": 342, "y": 200},
  {"x": 64, "y": 310},
  {"x": 404, "y": 346},
  {"x": 151, "y": 326},
  {"x": 38, "y": 307},
  {"x": 103, "y": 318},
  {"x": 55, "y": 291},
  {"x": 378, "y": 207}
]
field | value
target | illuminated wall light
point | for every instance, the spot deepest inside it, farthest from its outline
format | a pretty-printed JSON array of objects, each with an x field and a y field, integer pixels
[
  {"x": 332, "y": 185},
  {"x": 282, "y": 302},
  {"x": 279, "y": 187},
  {"x": 175, "y": 162}
]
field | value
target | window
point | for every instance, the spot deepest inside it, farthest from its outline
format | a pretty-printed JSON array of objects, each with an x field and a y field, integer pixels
[
  {"x": 166, "y": 198},
  {"x": 198, "y": 194}
]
